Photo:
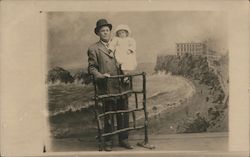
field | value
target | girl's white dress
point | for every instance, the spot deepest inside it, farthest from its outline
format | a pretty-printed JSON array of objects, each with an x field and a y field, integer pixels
[{"x": 125, "y": 52}]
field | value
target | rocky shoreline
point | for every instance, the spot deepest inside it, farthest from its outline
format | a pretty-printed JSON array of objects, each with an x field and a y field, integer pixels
[{"x": 167, "y": 106}]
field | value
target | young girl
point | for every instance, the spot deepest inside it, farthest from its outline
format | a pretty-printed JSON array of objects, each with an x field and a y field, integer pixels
[{"x": 124, "y": 48}]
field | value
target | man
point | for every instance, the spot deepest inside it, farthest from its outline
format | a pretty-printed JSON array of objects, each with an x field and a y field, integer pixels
[{"x": 102, "y": 64}]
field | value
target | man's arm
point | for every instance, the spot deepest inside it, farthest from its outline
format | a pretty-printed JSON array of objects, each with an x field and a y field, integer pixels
[{"x": 93, "y": 64}]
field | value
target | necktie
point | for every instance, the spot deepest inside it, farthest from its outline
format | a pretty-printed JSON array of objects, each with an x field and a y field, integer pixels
[{"x": 111, "y": 53}]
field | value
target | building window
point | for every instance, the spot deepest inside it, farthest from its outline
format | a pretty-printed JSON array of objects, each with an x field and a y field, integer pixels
[{"x": 191, "y": 48}]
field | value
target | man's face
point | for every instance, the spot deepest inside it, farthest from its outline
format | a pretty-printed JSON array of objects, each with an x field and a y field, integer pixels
[{"x": 104, "y": 33}]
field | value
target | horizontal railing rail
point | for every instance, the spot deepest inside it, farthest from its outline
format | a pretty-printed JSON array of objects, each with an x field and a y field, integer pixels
[
  {"x": 127, "y": 75},
  {"x": 119, "y": 111},
  {"x": 103, "y": 96},
  {"x": 122, "y": 130}
]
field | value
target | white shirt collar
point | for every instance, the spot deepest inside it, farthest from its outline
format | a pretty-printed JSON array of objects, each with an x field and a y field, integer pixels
[{"x": 104, "y": 43}]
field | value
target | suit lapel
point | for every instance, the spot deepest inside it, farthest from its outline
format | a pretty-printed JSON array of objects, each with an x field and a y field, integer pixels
[{"x": 102, "y": 48}]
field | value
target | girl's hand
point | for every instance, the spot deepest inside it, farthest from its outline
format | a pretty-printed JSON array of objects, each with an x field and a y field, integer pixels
[{"x": 130, "y": 52}]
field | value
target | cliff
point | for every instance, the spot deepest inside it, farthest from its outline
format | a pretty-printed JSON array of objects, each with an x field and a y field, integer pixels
[
  {"x": 192, "y": 67},
  {"x": 59, "y": 74}
]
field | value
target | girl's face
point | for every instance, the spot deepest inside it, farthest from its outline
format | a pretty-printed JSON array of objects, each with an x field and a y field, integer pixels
[{"x": 122, "y": 34}]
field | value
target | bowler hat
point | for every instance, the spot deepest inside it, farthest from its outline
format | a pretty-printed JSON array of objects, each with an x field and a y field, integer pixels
[{"x": 100, "y": 23}]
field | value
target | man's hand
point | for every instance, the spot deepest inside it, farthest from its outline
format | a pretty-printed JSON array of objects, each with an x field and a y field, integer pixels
[
  {"x": 106, "y": 75},
  {"x": 103, "y": 76}
]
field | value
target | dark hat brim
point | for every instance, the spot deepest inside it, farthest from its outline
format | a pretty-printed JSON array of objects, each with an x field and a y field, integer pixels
[{"x": 99, "y": 27}]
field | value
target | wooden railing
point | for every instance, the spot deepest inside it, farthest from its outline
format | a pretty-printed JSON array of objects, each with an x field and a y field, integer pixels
[{"x": 99, "y": 98}]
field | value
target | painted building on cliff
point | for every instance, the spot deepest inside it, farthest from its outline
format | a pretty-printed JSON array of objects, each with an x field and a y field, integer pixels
[{"x": 191, "y": 48}]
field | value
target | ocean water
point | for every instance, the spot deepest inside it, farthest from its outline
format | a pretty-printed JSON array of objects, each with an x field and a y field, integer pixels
[
  {"x": 69, "y": 97},
  {"x": 71, "y": 106},
  {"x": 73, "y": 97}
]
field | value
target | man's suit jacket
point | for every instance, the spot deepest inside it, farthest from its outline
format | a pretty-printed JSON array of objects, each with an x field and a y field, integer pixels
[{"x": 100, "y": 62}]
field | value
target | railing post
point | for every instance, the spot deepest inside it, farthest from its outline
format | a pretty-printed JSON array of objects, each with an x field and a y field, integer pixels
[
  {"x": 145, "y": 143},
  {"x": 131, "y": 82},
  {"x": 134, "y": 119},
  {"x": 100, "y": 138},
  {"x": 145, "y": 108},
  {"x": 136, "y": 100}
]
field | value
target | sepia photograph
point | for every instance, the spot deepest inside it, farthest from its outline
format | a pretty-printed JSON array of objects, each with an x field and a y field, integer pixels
[{"x": 152, "y": 80}]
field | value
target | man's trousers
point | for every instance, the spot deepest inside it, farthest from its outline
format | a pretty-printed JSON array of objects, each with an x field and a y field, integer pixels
[{"x": 122, "y": 118}]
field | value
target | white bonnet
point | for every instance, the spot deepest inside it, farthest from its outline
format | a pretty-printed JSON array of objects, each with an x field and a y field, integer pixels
[{"x": 123, "y": 27}]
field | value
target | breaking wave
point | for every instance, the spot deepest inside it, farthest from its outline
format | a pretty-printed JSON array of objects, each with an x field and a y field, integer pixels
[
  {"x": 64, "y": 98},
  {"x": 71, "y": 108}
]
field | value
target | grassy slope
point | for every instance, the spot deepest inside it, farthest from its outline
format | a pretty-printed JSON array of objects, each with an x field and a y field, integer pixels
[{"x": 168, "y": 122}]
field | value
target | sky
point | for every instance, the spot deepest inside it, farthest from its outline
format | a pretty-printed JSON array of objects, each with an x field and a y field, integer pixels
[{"x": 71, "y": 33}]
